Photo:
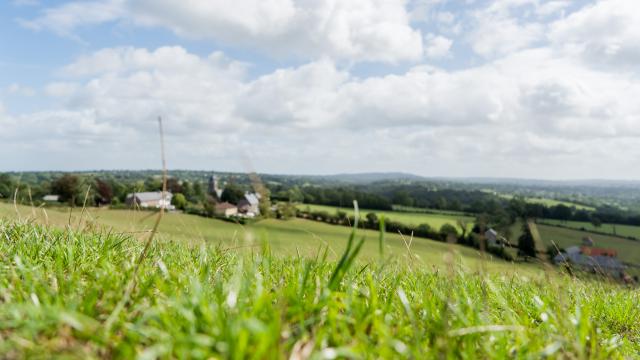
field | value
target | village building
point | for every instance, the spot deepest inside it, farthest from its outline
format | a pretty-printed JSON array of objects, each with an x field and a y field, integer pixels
[
  {"x": 150, "y": 200},
  {"x": 250, "y": 205},
  {"x": 226, "y": 209},
  {"x": 494, "y": 239},
  {"x": 214, "y": 187},
  {"x": 51, "y": 198},
  {"x": 592, "y": 259}
]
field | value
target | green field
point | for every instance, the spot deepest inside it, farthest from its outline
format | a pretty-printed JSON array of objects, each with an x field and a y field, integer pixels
[
  {"x": 71, "y": 294},
  {"x": 620, "y": 230},
  {"x": 549, "y": 202},
  {"x": 409, "y": 218},
  {"x": 287, "y": 238},
  {"x": 628, "y": 250}
]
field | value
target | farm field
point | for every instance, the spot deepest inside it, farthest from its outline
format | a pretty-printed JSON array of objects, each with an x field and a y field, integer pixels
[
  {"x": 628, "y": 250},
  {"x": 620, "y": 230},
  {"x": 409, "y": 218},
  {"x": 549, "y": 202},
  {"x": 287, "y": 238}
]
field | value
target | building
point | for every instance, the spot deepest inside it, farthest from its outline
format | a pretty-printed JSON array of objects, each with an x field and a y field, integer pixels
[
  {"x": 583, "y": 259},
  {"x": 150, "y": 200},
  {"x": 494, "y": 239},
  {"x": 250, "y": 205},
  {"x": 226, "y": 209},
  {"x": 594, "y": 251},
  {"x": 214, "y": 187},
  {"x": 51, "y": 198}
]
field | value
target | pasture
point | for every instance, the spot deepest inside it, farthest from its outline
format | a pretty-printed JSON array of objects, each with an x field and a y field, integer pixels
[
  {"x": 409, "y": 218},
  {"x": 613, "y": 229},
  {"x": 286, "y": 238}
]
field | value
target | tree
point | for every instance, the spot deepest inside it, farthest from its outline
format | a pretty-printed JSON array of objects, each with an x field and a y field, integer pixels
[
  {"x": 372, "y": 220},
  {"x": 596, "y": 222},
  {"x": 104, "y": 192},
  {"x": 7, "y": 186},
  {"x": 67, "y": 187},
  {"x": 526, "y": 243},
  {"x": 561, "y": 212},
  {"x": 448, "y": 231},
  {"x": 179, "y": 201},
  {"x": 174, "y": 186},
  {"x": 232, "y": 193},
  {"x": 285, "y": 210}
]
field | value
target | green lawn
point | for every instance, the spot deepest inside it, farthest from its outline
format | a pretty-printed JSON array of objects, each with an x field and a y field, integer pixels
[
  {"x": 621, "y": 230},
  {"x": 409, "y": 218},
  {"x": 63, "y": 295},
  {"x": 287, "y": 238}
]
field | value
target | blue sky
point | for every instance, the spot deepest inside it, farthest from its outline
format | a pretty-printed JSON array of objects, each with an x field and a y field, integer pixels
[{"x": 508, "y": 88}]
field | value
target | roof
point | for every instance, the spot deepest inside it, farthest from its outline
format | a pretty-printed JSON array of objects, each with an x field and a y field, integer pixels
[
  {"x": 594, "y": 251},
  {"x": 602, "y": 262},
  {"x": 252, "y": 198},
  {"x": 150, "y": 196},
  {"x": 51, "y": 197},
  {"x": 225, "y": 206}
]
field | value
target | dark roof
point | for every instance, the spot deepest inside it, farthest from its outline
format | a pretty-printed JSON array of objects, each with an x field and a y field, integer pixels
[{"x": 225, "y": 206}]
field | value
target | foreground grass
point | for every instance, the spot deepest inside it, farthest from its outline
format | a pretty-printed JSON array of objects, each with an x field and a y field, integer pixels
[{"x": 59, "y": 290}]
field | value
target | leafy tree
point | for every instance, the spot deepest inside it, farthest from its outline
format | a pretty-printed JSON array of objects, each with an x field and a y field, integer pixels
[
  {"x": 210, "y": 206},
  {"x": 448, "y": 231},
  {"x": 285, "y": 210},
  {"x": 174, "y": 186},
  {"x": 179, "y": 201},
  {"x": 7, "y": 186},
  {"x": 153, "y": 184},
  {"x": 561, "y": 212},
  {"x": 198, "y": 192},
  {"x": 67, "y": 187},
  {"x": 596, "y": 222},
  {"x": 402, "y": 197},
  {"x": 265, "y": 203},
  {"x": 232, "y": 193},
  {"x": 295, "y": 194},
  {"x": 104, "y": 192},
  {"x": 372, "y": 220},
  {"x": 526, "y": 243}
]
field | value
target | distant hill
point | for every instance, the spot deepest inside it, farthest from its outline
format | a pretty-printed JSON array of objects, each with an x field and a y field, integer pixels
[{"x": 364, "y": 178}]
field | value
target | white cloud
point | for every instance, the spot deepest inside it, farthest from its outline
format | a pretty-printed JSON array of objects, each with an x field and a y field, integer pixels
[
  {"x": 437, "y": 46},
  {"x": 67, "y": 17},
  {"x": 536, "y": 103},
  {"x": 605, "y": 33},
  {"x": 357, "y": 30},
  {"x": 20, "y": 90},
  {"x": 496, "y": 32}
]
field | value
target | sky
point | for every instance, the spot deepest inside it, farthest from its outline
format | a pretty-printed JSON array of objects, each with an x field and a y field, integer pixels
[{"x": 456, "y": 88}]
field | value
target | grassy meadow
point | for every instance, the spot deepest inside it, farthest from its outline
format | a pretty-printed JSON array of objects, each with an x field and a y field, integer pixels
[
  {"x": 406, "y": 217},
  {"x": 613, "y": 229},
  {"x": 549, "y": 202},
  {"x": 286, "y": 238},
  {"x": 64, "y": 295}
]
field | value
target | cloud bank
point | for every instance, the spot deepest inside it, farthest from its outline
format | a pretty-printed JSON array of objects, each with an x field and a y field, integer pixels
[{"x": 552, "y": 94}]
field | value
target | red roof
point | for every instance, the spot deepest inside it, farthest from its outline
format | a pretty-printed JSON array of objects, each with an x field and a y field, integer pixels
[{"x": 594, "y": 251}]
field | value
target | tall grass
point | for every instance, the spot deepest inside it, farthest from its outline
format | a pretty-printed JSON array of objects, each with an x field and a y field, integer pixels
[{"x": 59, "y": 287}]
